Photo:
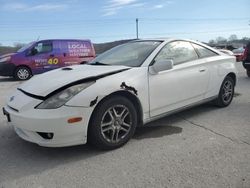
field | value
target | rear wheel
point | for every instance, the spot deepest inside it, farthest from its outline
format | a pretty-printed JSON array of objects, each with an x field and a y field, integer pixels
[
  {"x": 226, "y": 93},
  {"x": 113, "y": 123},
  {"x": 22, "y": 73}
]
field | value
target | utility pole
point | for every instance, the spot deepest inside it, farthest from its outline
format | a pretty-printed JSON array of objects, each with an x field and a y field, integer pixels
[{"x": 136, "y": 28}]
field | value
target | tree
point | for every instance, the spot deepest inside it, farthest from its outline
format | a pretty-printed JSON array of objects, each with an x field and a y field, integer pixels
[
  {"x": 221, "y": 40},
  {"x": 233, "y": 37},
  {"x": 211, "y": 42}
]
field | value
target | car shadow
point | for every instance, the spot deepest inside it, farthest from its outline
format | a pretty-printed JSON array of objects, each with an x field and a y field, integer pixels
[
  {"x": 155, "y": 131},
  {"x": 158, "y": 128},
  {"x": 7, "y": 79},
  {"x": 166, "y": 125},
  {"x": 19, "y": 158}
]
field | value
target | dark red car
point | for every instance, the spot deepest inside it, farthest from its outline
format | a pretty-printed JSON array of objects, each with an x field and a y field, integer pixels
[
  {"x": 238, "y": 53},
  {"x": 246, "y": 59}
]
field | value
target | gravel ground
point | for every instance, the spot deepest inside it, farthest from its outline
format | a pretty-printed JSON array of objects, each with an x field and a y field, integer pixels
[{"x": 201, "y": 147}]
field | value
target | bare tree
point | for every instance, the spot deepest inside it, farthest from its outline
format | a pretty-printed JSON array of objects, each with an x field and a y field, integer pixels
[
  {"x": 233, "y": 37},
  {"x": 212, "y": 42},
  {"x": 221, "y": 40},
  {"x": 18, "y": 45}
]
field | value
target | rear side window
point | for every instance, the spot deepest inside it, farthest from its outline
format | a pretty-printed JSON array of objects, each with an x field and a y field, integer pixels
[
  {"x": 203, "y": 52},
  {"x": 178, "y": 51}
]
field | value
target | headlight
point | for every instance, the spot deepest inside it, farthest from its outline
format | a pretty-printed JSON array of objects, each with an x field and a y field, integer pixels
[
  {"x": 62, "y": 97},
  {"x": 5, "y": 59}
]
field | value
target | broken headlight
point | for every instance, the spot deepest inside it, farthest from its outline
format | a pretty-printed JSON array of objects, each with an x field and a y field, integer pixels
[{"x": 62, "y": 97}]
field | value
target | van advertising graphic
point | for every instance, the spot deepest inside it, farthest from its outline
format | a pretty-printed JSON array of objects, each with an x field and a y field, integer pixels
[{"x": 79, "y": 49}]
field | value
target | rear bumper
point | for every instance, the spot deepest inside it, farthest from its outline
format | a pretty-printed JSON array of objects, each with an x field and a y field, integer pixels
[
  {"x": 29, "y": 124},
  {"x": 7, "y": 69}
]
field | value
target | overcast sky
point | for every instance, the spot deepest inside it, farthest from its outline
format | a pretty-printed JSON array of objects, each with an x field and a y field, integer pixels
[{"x": 107, "y": 20}]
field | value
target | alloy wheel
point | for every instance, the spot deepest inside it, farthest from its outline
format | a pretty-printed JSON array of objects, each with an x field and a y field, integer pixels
[
  {"x": 227, "y": 91},
  {"x": 23, "y": 74},
  {"x": 116, "y": 123}
]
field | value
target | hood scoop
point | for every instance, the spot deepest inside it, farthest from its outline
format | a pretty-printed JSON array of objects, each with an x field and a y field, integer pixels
[{"x": 67, "y": 68}]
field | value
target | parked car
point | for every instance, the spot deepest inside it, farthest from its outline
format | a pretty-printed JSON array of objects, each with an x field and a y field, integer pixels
[
  {"x": 246, "y": 59},
  {"x": 44, "y": 55},
  {"x": 225, "y": 51},
  {"x": 104, "y": 101},
  {"x": 238, "y": 53}
]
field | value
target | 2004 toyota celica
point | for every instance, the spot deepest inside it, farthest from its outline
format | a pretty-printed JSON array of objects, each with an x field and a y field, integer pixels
[{"x": 132, "y": 84}]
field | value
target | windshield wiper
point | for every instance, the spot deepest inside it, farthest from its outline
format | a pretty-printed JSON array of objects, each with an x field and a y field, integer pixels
[{"x": 98, "y": 63}]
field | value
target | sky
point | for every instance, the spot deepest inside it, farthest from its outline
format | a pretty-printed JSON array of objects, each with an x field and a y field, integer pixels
[{"x": 23, "y": 21}]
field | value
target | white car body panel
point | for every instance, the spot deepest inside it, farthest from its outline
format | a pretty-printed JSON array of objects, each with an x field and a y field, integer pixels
[
  {"x": 133, "y": 77},
  {"x": 158, "y": 94},
  {"x": 178, "y": 89}
]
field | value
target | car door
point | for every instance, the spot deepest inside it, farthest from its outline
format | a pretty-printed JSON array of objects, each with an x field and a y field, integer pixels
[
  {"x": 42, "y": 57},
  {"x": 184, "y": 84}
]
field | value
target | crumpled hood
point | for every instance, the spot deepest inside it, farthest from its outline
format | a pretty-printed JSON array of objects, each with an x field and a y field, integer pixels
[
  {"x": 7, "y": 55},
  {"x": 44, "y": 84}
]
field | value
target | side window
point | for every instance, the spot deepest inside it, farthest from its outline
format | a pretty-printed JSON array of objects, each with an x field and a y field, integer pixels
[
  {"x": 203, "y": 52},
  {"x": 179, "y": 52},
  {"x": 42, "y": 47}
]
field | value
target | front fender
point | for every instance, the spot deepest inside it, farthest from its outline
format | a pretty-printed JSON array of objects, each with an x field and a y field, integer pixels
[{"x": 134, "y": 80}]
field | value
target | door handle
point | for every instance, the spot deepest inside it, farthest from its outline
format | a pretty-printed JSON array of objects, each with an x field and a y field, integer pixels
[{"x": 202, "y": 70}]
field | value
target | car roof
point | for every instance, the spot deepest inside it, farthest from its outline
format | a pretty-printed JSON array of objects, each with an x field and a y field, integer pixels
[
  {"x": 166, "y": 40},
  {"x": 82, "y": 40},
  {"x": 169, "y": 39}
]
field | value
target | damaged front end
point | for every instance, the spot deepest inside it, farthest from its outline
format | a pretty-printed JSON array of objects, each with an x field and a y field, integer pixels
[{"x": 62, "y": 95}]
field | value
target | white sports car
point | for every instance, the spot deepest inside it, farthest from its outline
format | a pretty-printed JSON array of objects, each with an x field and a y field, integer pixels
[{"x": 132, "y": 84}]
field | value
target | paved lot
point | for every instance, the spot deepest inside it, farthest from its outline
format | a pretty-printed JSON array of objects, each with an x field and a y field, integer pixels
[{"x": 201, "y": 147}]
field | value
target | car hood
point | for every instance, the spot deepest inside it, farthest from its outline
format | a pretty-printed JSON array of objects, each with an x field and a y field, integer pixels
[
  {"x": 7, "y": 55},
  {"x": 44, "y": 84}
]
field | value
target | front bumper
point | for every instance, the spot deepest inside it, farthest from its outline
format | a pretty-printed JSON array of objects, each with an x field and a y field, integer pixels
[
  {"x": 28, "y": 124},
  {"x": 7, "y": 69}
]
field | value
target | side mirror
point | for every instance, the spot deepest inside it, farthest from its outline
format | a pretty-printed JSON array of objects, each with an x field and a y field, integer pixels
[
  {"x": 160, "y": 66},
  {"x": 34, "y": 51}
]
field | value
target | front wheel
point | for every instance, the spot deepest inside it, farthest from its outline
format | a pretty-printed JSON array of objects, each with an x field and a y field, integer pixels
[
  {"x": 113, "y": 123},
  {"x": 22, "y": 73},
  {"x": 226, "y": 93}
]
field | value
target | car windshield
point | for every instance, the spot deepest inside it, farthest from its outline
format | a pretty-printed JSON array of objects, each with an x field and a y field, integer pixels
[
  {"x": 131, "y": 54},
  {"x": 25, "y": 47}
]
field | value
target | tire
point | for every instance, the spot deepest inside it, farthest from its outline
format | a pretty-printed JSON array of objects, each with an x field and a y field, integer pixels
[
  {"x": 112, "y": 124},
  {"x": 226, "y": 93},
  {"x": 22, "y": 73},
  {"x": 248, "y": 73}
]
